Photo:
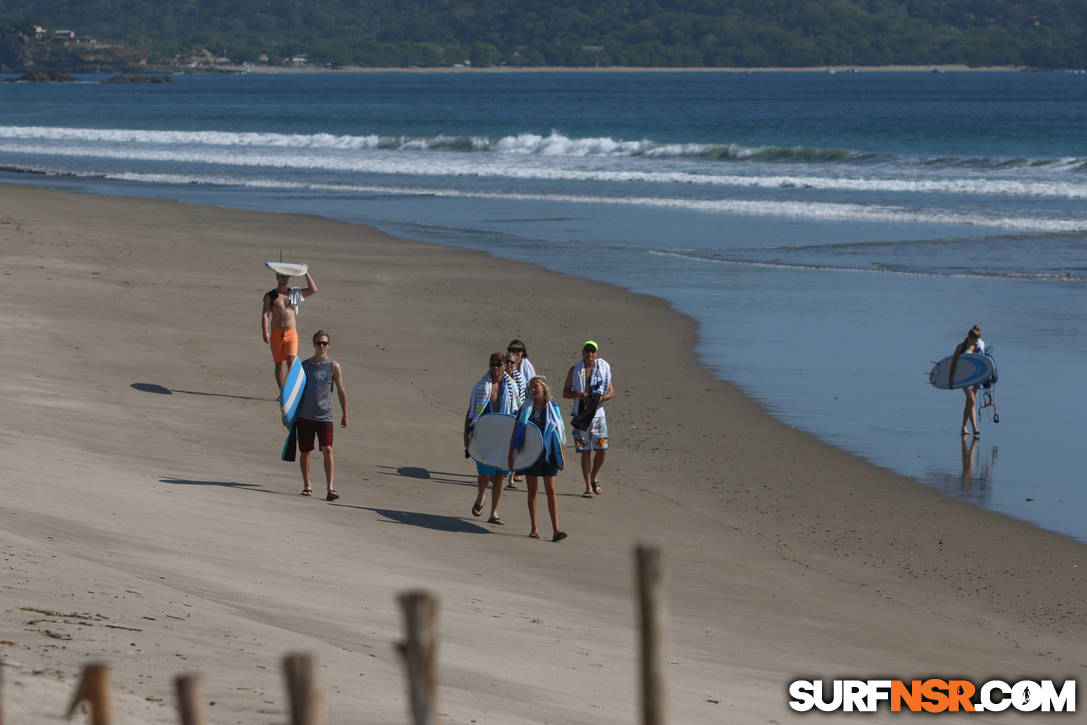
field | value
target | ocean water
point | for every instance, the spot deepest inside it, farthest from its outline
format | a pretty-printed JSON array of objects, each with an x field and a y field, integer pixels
[{"x": 833, "y": 234}]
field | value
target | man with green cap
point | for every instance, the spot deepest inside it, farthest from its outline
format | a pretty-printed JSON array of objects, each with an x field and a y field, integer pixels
[{"x": 589, "y": 385}]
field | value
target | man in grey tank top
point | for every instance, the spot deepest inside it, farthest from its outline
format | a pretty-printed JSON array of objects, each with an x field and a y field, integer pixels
[{"x": 315, "y": 411}]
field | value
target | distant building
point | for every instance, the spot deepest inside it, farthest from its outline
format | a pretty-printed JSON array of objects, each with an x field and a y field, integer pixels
[{"x": 64, "y": 37}]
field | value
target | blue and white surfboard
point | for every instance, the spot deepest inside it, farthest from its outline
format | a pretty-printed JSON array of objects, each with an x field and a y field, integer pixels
[
  {"x": 291, "y": 394},
  {"x": 972, "y": 369}
]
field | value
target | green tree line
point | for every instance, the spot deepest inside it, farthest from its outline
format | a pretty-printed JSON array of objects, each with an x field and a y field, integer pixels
[{"x": 653, "y": 33}]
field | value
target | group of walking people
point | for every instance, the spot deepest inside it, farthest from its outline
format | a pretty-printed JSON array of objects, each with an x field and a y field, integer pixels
[{"x": 512, "y": 386}]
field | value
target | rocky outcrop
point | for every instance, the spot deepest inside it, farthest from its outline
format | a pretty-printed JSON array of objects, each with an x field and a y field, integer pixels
[{"x": 53, "y": 76}]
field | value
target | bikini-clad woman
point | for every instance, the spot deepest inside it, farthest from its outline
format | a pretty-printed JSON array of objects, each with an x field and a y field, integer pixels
[{"x": 973, "y": 343}]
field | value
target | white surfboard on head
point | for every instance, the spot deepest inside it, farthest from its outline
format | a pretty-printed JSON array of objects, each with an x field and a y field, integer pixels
[
  {"x": 972, "y": 369},
  {"x": 288, "y": 269},
  {"x": 490, "y": 442}
]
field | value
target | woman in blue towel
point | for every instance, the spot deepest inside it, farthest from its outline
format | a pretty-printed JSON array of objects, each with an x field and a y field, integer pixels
[{"x": 541, "y": 410}]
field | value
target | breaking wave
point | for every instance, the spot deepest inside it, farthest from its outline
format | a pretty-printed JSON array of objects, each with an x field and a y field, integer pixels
[{"x": 555, "y": 144}]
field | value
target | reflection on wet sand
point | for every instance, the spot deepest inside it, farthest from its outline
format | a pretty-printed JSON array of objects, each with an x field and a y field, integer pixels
[{"x": 974, "y": 468}]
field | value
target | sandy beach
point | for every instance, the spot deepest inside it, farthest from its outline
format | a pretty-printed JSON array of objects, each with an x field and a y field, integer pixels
[{"x": 148, "y": 522}]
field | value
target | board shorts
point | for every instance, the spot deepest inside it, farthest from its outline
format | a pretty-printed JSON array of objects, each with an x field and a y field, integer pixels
[
  {"x": 596, "y": 438},
  {"x": 483, "y": 469},
  {"x": 307, "y": 429},
  {"x": 284, "y": 344}
]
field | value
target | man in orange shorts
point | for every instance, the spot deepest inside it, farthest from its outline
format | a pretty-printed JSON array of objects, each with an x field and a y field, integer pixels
[{"x": 278, "y": 320}]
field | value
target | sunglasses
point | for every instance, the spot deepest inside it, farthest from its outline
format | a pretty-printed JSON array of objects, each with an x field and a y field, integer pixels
[
  {"x": 322, "y": 343},
  {"x": 497, "y": 364}
]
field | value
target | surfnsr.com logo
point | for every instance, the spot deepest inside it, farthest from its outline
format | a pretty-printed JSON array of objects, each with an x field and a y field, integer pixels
[{"x": 933, "y": 695}]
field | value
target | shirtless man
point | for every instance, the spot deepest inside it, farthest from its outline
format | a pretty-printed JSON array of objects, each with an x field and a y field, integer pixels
[
  {"x": 495, "y": 392},
  {"x": 278, "y": 320}
]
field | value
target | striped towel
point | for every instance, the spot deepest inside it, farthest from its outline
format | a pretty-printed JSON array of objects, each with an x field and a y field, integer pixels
[{"x": 601, "y": 381}]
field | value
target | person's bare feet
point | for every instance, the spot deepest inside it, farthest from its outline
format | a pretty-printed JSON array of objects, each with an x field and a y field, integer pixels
[{"x": 534, "y": 534}]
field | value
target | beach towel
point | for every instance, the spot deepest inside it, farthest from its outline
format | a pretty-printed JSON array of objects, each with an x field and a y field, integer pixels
[
  {"x": 480, "y": 400},
  {"x": 554, "y": 432},
  {"x": 521, "y": 385},
  {"x": 601, "y": 381}
]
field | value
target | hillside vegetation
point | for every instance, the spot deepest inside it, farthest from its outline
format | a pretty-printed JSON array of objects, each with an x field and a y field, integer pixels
[{"x": 713, "y": 33}]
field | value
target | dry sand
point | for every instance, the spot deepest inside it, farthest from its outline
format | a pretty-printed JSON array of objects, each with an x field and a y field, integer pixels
[{"x": 160, "y": 532}]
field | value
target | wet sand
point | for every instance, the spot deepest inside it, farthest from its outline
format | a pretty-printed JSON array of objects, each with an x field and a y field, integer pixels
[{"x": 147, "y": 520}]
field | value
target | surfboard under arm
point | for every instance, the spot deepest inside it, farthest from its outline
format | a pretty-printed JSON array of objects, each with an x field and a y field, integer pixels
[
  {"x": 971, "y": 369},
  {"x": 490, "y": 442}
]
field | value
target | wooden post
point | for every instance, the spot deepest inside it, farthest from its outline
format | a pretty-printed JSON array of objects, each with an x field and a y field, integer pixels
[
  {"x": 651, "y": 618},
  {"x": 190, "y": 699},
  {"x": 305, "y": 698},
  {"x": 419, "y": 652},
  {"x": 94, "y": 690}
]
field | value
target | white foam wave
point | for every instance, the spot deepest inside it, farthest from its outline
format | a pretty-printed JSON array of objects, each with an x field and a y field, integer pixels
[
  {"x": 1030, "y": 276},
  {"x": 523, "y": 144},
  {"x": 558, "y": 145},
  {"x": 797, "y": 209},
  {"x": 529, "y": 144},
  {"x": 327, "y": 156},
  {"x": 189, "y": 138}
]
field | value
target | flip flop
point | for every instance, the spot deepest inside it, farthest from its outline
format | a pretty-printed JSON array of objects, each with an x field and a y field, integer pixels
[
  {"x": 332, "y": 496},
  {"x": 533, "y": 535},
  {"x": 559, "y": 536},
  {"x": 477, "y": 509},
  {"x": 306, "y": 492},
  {"x": 596, "y": 488},
  {"x": 496, "y": 521},
  {"x": 587, "y": 494}
]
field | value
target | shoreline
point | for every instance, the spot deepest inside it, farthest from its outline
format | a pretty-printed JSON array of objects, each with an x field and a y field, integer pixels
[
  {"x": 936, "y": 67},
  {"x": 802, "y": 557},
  {"x": 782, "y": 417}
]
